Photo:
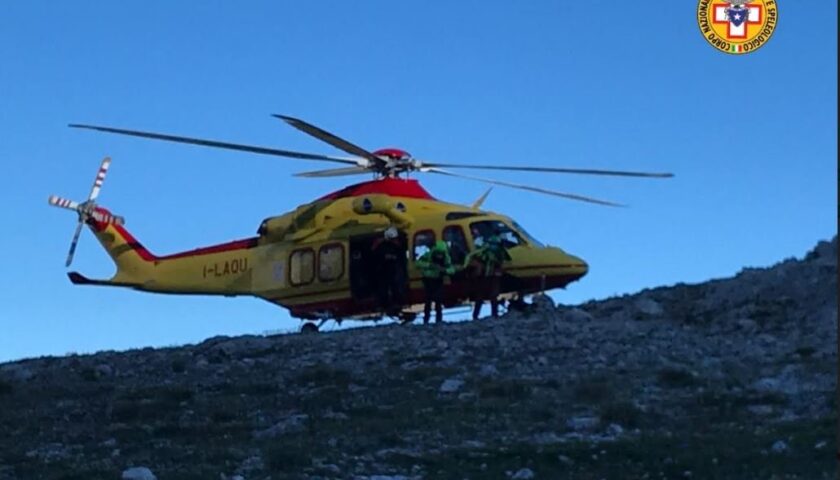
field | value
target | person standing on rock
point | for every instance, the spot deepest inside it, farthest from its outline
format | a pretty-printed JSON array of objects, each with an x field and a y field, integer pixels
[
  {"x": 487, "y": 264},
  {"x": 434, "y": 266},
  {"x": 389, "y": 258}
]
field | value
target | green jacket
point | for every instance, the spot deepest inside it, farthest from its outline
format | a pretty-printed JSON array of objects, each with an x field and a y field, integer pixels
[
  {"x": 436, "y": 262},
  {"x": 491, "y": 255}
]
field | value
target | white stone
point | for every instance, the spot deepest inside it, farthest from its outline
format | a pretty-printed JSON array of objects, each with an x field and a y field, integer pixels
[
  {"x": 104, "y": 370},
  {"x": 648, "y": 306},
  {"x": 577, "y": 315},
  {"x": 582, "y": 423},
  {"x": 779, "y": 447},
  {"x": 614, "y": 429},
  {"x": 451, "y": 385},
  {"x": 767, "y": 384},
  {"x": 17, "y": 372},
  {"x": 760, "y": 409},
  {"x": 542, "y": 302},
  {"x": 291, "y": 424},
  {"x": 523, "y": 474},
  {"x": 138, "y": 473}
]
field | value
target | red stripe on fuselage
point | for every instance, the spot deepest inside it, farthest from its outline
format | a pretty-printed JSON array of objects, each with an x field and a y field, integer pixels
[
  {"x": 222, "y": 247},
  {"x": 394, "y": 187},
  {"x": 150, "y": 257}
]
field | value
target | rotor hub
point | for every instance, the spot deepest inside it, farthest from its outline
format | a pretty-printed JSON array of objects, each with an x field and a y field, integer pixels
[
  {"x": 393, "y": 154},
  {"x": 396, "y": 161}
]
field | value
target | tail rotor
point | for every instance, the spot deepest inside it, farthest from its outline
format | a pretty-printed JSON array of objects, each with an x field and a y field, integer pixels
[{"x": 87, "y": 210}]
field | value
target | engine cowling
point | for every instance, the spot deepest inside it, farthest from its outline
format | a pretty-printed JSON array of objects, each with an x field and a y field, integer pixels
[{"x": 384, "y": 205}]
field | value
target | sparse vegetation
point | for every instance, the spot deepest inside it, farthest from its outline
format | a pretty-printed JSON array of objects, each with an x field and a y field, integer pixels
[
  {"x": 593, "y": 390},
  {"x": 179, "y": 365},
  {"x": 511, "y": 390},
  {"x": 426, "y": 372},
  {"x": 623, "y": 413},
  {"x": 673, "y": 377},
  {"x": 323, "y": 374}
]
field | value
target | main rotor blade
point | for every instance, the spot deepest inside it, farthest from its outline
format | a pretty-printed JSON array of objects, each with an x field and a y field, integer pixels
[
  {"x": 217, "y": 144},
  {"x": 100, "y": 177},
  {"x": 584, "y": 171},
  {"x": 524, "y": 187},
  {"x": 333, "y": 140},
  {"x": 333, "y": 172},
  {"x": 74, "y": 243}
]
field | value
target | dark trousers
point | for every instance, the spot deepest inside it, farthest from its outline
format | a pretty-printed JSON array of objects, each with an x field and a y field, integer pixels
[
  {"x": 390, "y": 288},
  {"x": 434, "y": 293},
  {"x": 489, "y": 289}
]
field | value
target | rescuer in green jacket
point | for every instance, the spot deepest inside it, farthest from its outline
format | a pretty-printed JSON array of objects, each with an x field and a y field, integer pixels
[
  {"x": 434, "y": 265},
  {"x": 487, "y": 265}
]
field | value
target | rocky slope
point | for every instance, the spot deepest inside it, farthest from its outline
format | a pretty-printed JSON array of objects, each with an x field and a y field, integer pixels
[{"x": 732, "y": 378}]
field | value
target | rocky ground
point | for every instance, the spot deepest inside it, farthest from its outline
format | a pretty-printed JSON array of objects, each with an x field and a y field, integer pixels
[{"x": 732, "y": 378}]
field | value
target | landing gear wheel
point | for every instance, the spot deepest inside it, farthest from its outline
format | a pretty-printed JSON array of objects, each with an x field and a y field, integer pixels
[{"x": 309, "y": 327}]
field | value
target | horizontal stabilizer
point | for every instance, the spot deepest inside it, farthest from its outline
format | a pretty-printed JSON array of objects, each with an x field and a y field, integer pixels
[{"x": 79, "y": 279}]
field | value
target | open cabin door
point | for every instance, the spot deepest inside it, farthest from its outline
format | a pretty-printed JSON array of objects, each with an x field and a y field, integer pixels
[{"x": 365, "y": 271}]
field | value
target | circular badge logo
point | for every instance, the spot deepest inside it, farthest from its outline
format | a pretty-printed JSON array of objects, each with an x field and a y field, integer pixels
[{"x": 737, "y": 26}]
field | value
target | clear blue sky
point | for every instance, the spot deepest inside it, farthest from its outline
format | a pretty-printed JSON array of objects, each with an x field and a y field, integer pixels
[{"x": 603, "y": 84}]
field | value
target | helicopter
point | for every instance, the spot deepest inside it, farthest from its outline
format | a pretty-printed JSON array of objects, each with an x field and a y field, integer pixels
[{"x": 316, "y": 260}]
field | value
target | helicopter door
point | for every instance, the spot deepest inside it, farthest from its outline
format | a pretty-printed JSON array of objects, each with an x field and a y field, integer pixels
[{"x": 364, "y": 270}]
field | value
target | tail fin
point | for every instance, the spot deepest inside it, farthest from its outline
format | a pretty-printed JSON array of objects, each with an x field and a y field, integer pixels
[{"x": 134, "y": 263}]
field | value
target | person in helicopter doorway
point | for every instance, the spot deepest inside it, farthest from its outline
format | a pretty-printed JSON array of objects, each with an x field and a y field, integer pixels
[
  {"x": 487, "y": 265},
  {"x": 389, "y": 258},
  {"x": 434, "y": 266}
]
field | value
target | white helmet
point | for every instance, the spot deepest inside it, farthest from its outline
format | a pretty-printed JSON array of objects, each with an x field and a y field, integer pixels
[{"x": 391, "y": 233}]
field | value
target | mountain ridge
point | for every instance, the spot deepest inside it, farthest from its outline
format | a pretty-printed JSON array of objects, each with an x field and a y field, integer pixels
[{"x": 649, "y": 383}]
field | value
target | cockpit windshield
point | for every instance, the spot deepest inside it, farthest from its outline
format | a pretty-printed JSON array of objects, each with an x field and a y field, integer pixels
[{"x": 533, "y": 241}]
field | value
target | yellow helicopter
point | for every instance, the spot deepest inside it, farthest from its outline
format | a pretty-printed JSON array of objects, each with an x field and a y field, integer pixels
[{"x": 316, "y": 260}]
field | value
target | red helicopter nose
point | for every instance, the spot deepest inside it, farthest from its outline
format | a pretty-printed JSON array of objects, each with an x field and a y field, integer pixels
[{"x": 393, "y": 153}]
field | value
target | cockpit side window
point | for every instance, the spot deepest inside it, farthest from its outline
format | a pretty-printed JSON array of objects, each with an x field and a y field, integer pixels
[{"x": 482, "y": 230}]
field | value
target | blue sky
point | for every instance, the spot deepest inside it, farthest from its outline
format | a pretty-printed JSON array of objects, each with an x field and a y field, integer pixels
[{"x": 601, "y": 84}]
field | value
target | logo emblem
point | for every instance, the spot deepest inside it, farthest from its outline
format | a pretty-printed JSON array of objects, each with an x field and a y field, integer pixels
[{"x": 737, "y": 26}]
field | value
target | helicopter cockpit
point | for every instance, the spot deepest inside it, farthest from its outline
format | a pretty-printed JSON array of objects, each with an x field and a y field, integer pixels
[{"x": 511, "y": 237}]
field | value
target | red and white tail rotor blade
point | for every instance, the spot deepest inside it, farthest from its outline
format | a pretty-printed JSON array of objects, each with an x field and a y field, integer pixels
[
  {"x": 100, "y": 177},
  {"x": 74, "y": 243},
  {"x": 60, "y": 202}
]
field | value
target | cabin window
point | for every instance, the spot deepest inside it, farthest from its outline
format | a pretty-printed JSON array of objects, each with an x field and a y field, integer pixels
[
  {"x": 455, "y": 239},
  {"x": 302, "y": 267},
  {"x": 424, "y": 241},
  {"x": 481, "y": 230},
  {"x": 330, "y": 262}
]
